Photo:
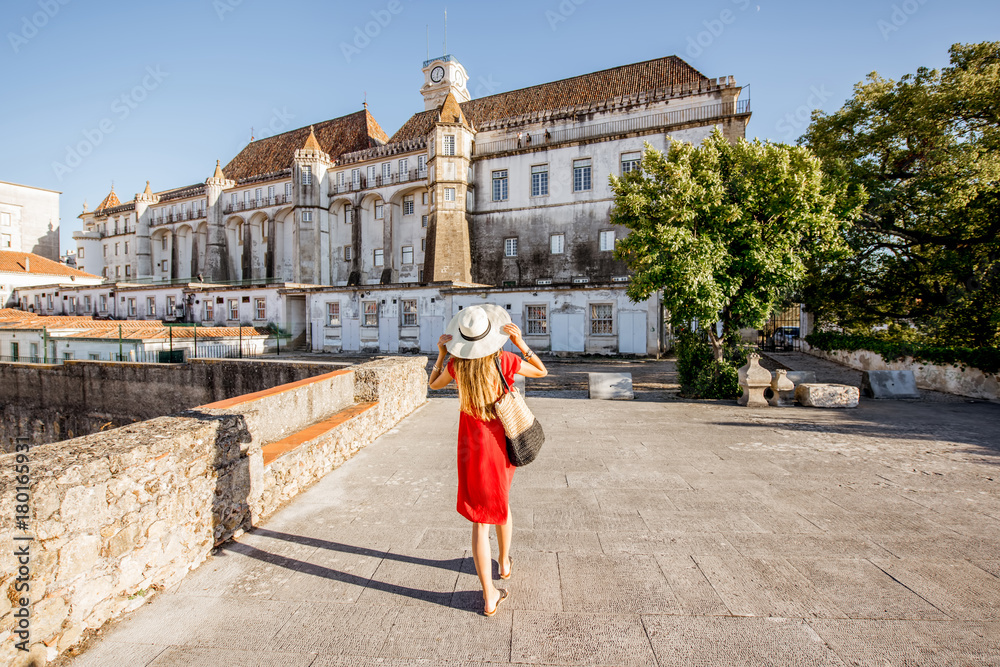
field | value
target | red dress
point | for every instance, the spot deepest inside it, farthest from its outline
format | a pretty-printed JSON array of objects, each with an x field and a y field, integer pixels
[{"x": 484, "y": 472}]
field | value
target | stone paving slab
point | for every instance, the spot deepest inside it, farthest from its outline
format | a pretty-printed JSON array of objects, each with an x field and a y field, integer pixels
[{"x": 647, "y": 533}]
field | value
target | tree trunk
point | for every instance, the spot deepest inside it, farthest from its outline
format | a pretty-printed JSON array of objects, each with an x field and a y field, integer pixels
[{"x": 717, "y": 344}]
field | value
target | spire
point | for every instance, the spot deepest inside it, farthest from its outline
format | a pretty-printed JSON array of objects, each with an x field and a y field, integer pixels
[
  {"x": 148, "y": 192},
  {"x": 109, "y": 201},
  {"x": 451, "y": 111},
  {"x": 311, "y": 143},
  {"x": 218, "y": 172}
]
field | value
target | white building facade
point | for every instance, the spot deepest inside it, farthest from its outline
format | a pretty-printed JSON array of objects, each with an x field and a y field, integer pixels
[{"x": 29, "y": 220}]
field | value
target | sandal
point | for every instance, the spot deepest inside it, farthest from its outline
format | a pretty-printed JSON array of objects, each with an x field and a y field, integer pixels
[
  {"x": 509, "y": 571},
  {"x": 503, "y": 596}
]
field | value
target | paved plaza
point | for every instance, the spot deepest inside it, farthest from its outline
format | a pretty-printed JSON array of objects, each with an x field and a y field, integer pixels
[{"x": 650, "y": 532}]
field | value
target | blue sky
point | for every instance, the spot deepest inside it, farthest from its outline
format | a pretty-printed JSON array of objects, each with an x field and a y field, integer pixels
[{"x": 160, "y": 90}]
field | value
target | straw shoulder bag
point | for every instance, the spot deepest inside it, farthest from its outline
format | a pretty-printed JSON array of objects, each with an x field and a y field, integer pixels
[{"x": 523, "y": 432}]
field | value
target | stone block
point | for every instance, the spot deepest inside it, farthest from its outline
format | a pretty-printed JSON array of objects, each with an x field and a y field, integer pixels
[
  {"x": 889, "y": 384},
  {"x": 611, "y": 386},
  {"x": 800, "y": 377},
  {"x": 818, "y": 395}
]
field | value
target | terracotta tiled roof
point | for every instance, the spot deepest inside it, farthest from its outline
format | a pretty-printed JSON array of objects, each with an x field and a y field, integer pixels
[
  {"x": 12, "y": 261},
  {"x": 161, "y": 332},
  {"x": 110, "y": 201},
  {"x": 584, "y": 89},
  {"x": 354, "y": 132}
]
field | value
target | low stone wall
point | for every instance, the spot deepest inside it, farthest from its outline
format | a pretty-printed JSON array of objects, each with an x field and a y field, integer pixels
[
  {"x": 113, "y": 516},
  {"x": 47, "y": 403},
  {"x": 970, "y": 382}
]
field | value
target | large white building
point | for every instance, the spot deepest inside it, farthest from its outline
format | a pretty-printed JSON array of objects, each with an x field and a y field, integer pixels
[
  {"x": 29, "y": 220},
  {"x": 505, "y": 192}
]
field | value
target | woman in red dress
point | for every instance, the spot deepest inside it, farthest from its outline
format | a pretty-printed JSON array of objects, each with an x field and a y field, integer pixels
[{"x": 474, "y": 338}]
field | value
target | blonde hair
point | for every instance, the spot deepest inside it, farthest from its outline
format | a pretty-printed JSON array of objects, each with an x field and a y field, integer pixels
[{"x": 478, "y": 385}]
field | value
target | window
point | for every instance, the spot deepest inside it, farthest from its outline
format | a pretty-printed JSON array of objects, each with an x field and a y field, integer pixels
[
  {"x": 333, "y": 314},
  {"x": 150, "y": 306},
  {"x": 423, "y": 221},
  {"x": 348, "y": 253},
  {"x": 448, "y": 146},
  {"x": 630, "y": 161},
  {"x": 117, "y": 246},
  {"x": 234, "y": 309},
  {"x": 348, "y": 214},
  {"x": 423, "y": 199},
  {"x": 258, "y": 195},
  {"x": 500, "y": 185},
  {"x": 557, "y": 244},
  {"x": 209, "y": 310},
  {"x": 581, "y": 175},
  {"x": 537, "y": 321},
  {"x": 72, "y": 304},
  {"x": 163, "y": 243},
  {"x": 106, "y": 246},
  {"x": 171, "y": 307},
  {"x": 379, "y": 211},
  {"x": 386, "y": 171},
  {"x": 423, "y": 245},
  {"x": 403, "y": 166},
  {"x": 307, "y": 216},
  {"x": 104, "y": 303},
  {"x": 6, "y": 241},
  {"x": 369, "y": 311},
  {"x": 128, "y": 270},
  {"x": 14, "y": 351},
  {"x": 126, "y": 247},
  {"x": 540, "y": 180},
  {"x": 407, "y": 254},
  {"x": 340, "y": 180},
  {"x": 246, "y": 199},
  {"x": 409, "y": 312},
  {"x": 449, "y": 194},
  {"x": 67, "y": 356},
  {"x": 79, "y": 253},
  {"x": 131, "y": 307},
  {"x": 408, "y": 205},
  {"x": 510, "y": 247},
  {"x": 371, "y": 175},
  {"x": 49, "y": 299},
  {"x": 422, "y": 162},
  {"x": 608, "y": 240},
  {"x": 600, "y": 319},
  {"x": 307, "y": 175},
  {"x": 355, "y": 178},
  {"x": 86, "y": 303},
  {"x": 270, "y": 194},
  {"x": 260, "y": 308},
  {"x": 378, "y": 257},
  {"x": 5, "y": 219},
  {"x": 288, "y": 190},
  {"x": 118, "y": 272},
  {"x": 233, "y": 200},
  {"x": 38, "y": 302}
]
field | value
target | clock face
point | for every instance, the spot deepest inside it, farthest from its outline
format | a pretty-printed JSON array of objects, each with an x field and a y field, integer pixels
[{"x": 437, "y": 74}]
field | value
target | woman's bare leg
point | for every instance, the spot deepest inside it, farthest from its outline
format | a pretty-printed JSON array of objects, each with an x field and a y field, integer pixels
[
  {"x": 483, "y": 559},
  {"x": 504, "y": 533}
]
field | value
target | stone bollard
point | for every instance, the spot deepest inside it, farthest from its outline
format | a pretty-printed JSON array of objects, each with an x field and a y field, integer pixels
[
  {"x": 782, "y": 390},
  {"x": 754, "y": 380}
]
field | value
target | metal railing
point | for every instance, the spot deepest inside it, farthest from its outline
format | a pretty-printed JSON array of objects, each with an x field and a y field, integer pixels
[
  {"x": 363, "y": 182},
  {"x": 615, "y": 127},
  {"x": 245, "y": 205}
]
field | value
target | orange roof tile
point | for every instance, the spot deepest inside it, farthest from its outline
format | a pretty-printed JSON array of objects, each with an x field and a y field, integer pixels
[
  {"x": 109, "y": 201},
  {"x": 584, "y": 89},
  {"x": 13, "y": 261},
  {"x": 353, "y": 132}
]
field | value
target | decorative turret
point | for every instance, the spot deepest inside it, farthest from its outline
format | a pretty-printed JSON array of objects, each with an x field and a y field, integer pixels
[
  {"x": 310, "y": 187},
  {"x": 143, "y": 221},
  {"x": 108, "y": 202},
  {"x": 216, "y": 256}
]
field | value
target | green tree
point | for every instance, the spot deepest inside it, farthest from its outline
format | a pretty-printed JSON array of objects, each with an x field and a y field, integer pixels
[
  {"x": 926, "y": 249},
  {"x": 724, "y": 229}
]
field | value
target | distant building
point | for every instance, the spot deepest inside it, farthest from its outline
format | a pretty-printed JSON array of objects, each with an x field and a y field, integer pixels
[
  {"x": 29, "y": 220},
  {"x": 19, "y": 270}
]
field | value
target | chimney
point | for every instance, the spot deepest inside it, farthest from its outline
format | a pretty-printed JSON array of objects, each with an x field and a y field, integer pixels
[{"x": 27, "y": 265}]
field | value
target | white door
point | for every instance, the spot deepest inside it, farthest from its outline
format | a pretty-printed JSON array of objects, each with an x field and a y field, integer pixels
[
  {"x": 567, "y": 332},
  {"x": 431, "y": 328},
  {"x": 631, "y": 332},
  {"x": 351, "y": 333}
]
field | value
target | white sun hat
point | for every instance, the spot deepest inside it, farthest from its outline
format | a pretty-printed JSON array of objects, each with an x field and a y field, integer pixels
[{"x": 476, "y": 331}]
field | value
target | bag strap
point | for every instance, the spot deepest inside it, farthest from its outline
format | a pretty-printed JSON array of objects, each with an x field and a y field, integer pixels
[{"x": 506, "y": 387}]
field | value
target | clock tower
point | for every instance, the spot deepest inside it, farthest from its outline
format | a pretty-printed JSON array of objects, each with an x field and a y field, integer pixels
[{"x": 443, "y": 75}]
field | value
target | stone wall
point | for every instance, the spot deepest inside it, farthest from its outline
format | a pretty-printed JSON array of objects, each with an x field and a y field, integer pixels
[
  {"x": 970, "y": 382},
  {"x": 48, "y": 403},
  {"x": 116, "y": 515}
]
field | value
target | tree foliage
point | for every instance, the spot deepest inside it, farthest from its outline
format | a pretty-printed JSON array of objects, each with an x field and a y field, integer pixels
[
  {"x": 724, "y": 230},
  {"x": 926, "y": 249}
]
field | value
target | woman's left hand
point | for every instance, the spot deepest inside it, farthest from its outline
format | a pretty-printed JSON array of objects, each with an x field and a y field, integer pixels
[{"x": 514, "y": 332}]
